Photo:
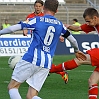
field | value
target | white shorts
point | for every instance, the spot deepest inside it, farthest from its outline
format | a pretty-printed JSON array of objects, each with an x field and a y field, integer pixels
[{"x": 35, "y": 76}]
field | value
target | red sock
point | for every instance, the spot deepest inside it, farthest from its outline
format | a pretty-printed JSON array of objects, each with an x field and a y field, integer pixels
[
  {"x": 70, "y": 65},
  {"x": 55, "y": 69},
  {"x": 93, "y": 92},
  {"x": 64, "y": 66}
]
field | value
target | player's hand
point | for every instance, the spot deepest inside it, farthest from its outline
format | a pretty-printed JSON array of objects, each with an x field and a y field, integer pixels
[
  {"x": 25, "y": 32},
  {"x": 26, "y": 21},
  {"x": 61, "y": 39},
  {"x": 80, "y": 55}
]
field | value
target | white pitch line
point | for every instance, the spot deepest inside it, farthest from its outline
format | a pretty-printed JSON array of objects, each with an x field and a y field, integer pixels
[
  {"x": 67, "y": 70},
  {"x": 4, "y": 68},
  {"x": 6, "y": 82}
]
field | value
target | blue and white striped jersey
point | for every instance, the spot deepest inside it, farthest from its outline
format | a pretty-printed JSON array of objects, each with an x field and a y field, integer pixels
[{"x": 46, "y": 32}]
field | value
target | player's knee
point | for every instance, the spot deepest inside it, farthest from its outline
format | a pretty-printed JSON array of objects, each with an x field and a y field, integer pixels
[
  {"x": 9, "y": 87},
  {"x": 13, "y": 85},
  {"x": 89, "y": 81}
]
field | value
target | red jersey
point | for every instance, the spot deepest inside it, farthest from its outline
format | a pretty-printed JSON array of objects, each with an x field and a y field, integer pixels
[
  {"x": 86, "y": 28},
  {"x": 94, "y": 53},
  {"x": 32, "y": 15}
]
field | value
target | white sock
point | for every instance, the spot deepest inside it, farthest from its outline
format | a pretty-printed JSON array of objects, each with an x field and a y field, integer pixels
[
  {"x": 36, "y": 97},
  {"x": 14, "y": 94}
]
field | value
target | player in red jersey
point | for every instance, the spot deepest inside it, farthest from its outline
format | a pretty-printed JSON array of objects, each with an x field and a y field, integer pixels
[
  {"x": 91, "y": 17},
  {"x": 38, "y": 6}
]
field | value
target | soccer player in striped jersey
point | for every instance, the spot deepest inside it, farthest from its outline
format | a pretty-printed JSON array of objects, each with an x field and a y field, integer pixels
[
  {"x": 36, "y": 62},
  {"x": 91, "y": 17},
  {"x": 38, "y": 6}
]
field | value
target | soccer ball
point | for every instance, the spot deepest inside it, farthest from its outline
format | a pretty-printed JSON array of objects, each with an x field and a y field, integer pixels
[{"x": 13, "y": 60}]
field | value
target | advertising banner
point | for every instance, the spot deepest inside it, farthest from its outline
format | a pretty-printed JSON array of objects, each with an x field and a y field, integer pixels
[
  {"x": 18, "y": 44},
  {"x": 13, "y": 45},
  {"x": 85, "y": 42}
]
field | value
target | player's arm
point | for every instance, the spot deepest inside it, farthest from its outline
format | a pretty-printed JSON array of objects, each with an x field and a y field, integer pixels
[
  {"x": 72, "y": 40},
  {"x": 25, "y": 31},
  {"x": 74, "y": 44},
  {"x": 10, "y": 29},
  {"x": 19, "y": 26},
  {"x": 73, "y": 27}
]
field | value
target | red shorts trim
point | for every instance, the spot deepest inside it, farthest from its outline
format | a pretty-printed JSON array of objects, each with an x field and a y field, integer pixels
[{"x": 94, "y": 54}]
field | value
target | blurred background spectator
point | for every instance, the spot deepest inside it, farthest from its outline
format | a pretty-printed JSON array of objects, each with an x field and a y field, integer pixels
[
  {"x": 5, "y": 25},
  {"x": 75, "y": 22}
]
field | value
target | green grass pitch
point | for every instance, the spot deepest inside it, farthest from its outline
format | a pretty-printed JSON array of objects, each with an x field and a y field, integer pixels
[{"x": 54, "y": 87}]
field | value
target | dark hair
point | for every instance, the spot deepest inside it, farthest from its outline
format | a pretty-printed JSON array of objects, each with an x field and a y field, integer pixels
[
  {"x": 75, "y": 20},
  {"x": 51, "y": 5},
  {"x": 90, "y": 12},
  {"x": 39, "y": 1}
]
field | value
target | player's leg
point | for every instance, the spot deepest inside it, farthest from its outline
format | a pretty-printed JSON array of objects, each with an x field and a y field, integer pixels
[
  {"x": 13, "y": 89},
  {"x": 33, "y": 93},
  {"x": 69, "y": 65},
  {"x": 36, "y": 81},
  {"x": 22, "y": 71},
  {"x": 93, "y": 85},
  {"x": 94, "y": 78}
]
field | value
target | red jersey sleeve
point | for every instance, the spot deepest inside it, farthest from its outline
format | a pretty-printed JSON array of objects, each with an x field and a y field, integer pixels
[
  {"x": 32, "y": 15},
  {"x": 86, "y": 28}
]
